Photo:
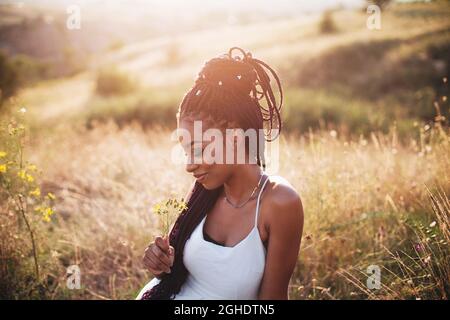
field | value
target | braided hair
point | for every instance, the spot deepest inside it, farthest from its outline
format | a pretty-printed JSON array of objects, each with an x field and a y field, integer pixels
[{"x": 228, "y": 90}]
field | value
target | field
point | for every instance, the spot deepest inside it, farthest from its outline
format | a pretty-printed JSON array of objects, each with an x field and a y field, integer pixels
[{"x": 366, "y": 144}]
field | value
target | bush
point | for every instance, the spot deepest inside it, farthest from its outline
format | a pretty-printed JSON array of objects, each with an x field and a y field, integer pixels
[
  {"x": 111, "y": 81},
  {"x": 18, "y": 71},
  {"x": 327, "y": 24},
  {"x": 9, "y": 78}
]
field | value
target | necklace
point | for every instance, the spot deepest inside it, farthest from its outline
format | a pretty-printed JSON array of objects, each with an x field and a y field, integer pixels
[{"x": 251, "y": 196}]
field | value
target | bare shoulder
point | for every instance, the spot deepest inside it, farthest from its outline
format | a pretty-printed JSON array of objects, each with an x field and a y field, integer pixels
[
  {"x": 282, "y": 200},
  {"x": 280, "y": 191}
]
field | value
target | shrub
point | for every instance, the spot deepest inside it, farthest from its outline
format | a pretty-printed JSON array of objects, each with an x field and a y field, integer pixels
[
  {"x": 327, "y": 24},
  {"x": 111, "y": 81},
  {"x": 9, "y": 78}
]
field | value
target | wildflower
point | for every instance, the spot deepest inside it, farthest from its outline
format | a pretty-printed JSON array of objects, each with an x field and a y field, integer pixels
[
  {"x": 32, "y": 167},
  {"x": 22, "y": 174},
  {"x": 418, "y": 247},
  {"x": 25, "y": 176},
  {"x": 46, "y": 213},
  {"x": 22, "y": 110},
  {"x": 3, "y": 168},
  {"x": 167, "y": 210},
  {"x": 36, "y": 192},
  {"x": 3, "y": 154},
  {"x": 156, "y": 208}
]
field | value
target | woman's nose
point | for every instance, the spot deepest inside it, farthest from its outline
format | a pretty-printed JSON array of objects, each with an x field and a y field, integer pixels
[{"x": 191, "y": 167}]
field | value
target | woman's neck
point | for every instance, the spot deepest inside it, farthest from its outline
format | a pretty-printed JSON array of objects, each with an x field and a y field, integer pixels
[{"x": 241, "y": 183}]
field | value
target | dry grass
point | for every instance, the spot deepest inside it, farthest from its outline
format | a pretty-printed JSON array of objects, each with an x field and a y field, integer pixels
[{"x": 359, "y": 197}]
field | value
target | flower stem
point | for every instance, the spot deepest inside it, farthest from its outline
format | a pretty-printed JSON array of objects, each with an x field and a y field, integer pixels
[{"x": 33, "y": 242}]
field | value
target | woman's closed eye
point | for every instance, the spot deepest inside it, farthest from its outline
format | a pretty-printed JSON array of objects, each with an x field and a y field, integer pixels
[{"x": 196, "y": 153}]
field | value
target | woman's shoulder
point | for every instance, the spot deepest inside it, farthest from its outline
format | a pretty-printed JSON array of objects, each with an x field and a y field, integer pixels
[
  {"x": 280, "y": 190},
  {"x": 282, "y": 197}
]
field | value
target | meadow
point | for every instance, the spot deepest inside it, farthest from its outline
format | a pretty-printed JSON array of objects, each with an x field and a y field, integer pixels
[{"x": 366, "y": 143}]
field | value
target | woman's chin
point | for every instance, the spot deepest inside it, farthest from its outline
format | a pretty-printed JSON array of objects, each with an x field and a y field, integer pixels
[{"x": 208, "y": 185}]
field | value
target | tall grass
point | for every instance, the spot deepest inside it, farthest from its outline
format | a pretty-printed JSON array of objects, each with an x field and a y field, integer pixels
[{"x": 363, "y": 200}]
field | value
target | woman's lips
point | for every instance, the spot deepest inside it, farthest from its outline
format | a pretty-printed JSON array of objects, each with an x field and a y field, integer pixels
[{"x": 201, "y": 177}]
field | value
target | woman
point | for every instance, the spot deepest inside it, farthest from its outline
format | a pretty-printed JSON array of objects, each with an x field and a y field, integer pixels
[{"x": 240, "y": 234}]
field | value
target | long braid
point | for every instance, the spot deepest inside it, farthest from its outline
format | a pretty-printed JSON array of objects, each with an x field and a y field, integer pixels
[{"x": 226, "y": 91}]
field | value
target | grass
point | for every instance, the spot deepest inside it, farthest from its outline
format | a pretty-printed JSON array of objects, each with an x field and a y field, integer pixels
[{"x": 362, "y": 200}]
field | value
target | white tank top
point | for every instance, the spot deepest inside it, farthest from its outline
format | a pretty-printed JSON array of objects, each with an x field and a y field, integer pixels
[{"x": 219, "y": 272}]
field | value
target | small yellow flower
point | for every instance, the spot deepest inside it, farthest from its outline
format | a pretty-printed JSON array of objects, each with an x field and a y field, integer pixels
[
  {"x": 30, "y": 178},
  {"x": 3, "y": 154},
  {"x": 51, "y": 196},
  {"x": 46, "y": 213},
  {"x": 32, "y": 167},
  {"x": 168, "y": 210},
  {"x": 3, "y": 168},
  {"x": 22, "y": 174},
  {"x": 156, "y": 208},
  {"x": 36, "y": 192}
]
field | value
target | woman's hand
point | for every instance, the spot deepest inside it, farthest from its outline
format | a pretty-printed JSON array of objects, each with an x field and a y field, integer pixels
[{"x": 158, "y": 257}]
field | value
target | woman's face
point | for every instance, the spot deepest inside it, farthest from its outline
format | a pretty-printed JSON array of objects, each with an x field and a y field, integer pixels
[{"x": 202, "y": 156}]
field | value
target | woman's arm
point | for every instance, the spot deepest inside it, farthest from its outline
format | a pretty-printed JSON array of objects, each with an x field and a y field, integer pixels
[{"x": 285, "y": 224}]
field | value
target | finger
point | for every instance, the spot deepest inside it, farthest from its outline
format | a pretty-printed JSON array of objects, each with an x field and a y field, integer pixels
[
  {"x": 157, "y": 266},
  {"x": 149, "y": 265},
  {"x": 162, "y": 264},
  {"x": 162, "y": 256},
  {"x": 160, "y": 242},
  {"x": 166, "y": 240},
  {"x": 171, "y": 255},
  {"x": 154, "y": 272}
]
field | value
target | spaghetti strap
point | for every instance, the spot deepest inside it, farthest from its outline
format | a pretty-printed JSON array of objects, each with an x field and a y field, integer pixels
[{"x": 257, "y": 202}]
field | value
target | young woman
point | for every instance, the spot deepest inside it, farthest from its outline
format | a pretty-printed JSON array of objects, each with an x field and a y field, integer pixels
[{"x": 240, "y": 235}]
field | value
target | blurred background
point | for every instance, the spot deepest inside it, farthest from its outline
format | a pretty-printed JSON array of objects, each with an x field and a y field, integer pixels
[{"x": 364, "y": 141}]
